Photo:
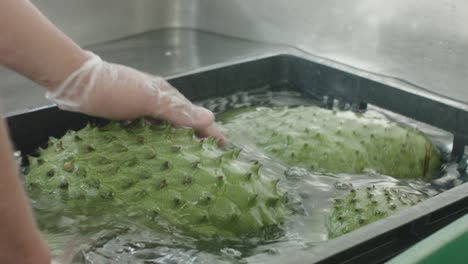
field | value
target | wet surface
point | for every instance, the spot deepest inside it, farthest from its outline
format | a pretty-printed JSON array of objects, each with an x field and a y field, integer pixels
[{"x": 310, "y": 194}]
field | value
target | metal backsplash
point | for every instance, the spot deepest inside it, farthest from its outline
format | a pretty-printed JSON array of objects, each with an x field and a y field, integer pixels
[
  {"x": 422, "y": 41},
  {"x": 89, "y": 22}
]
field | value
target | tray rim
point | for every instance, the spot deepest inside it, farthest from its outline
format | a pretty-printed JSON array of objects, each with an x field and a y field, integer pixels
[{"x": 334, "y": 247}]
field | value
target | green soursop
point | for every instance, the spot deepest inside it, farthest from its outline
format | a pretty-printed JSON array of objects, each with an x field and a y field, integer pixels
[
  {"x": 336, "y": 141},
  {"x": 363, "y": 206},
  {"x": 156, "y": 171}
]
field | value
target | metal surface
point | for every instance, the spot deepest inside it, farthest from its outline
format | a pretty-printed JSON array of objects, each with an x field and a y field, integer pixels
[
  {"x": 89, "y": 22},
  {"x": 421, "y": 41},
  {"x": 163, "y": 52}
]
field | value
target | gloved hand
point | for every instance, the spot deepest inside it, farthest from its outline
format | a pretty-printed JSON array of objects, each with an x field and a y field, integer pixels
[{"x": 115, "y": 91}]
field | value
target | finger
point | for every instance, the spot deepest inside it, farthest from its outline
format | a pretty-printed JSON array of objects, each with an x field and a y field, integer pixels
[
  {"x": 201, "y": 117},
  {"x": 189, "y": 116},
  {"x": 213, "y": 131}
]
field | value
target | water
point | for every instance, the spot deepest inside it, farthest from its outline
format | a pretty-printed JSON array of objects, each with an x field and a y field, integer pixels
[{"x": 123, "y": 241}]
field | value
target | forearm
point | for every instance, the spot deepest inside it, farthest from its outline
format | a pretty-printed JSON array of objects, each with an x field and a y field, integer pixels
[
  {"x": 34, "y": 47},
  {"x": 20, "y": 240},
  {"x": 80, "y": 82}
]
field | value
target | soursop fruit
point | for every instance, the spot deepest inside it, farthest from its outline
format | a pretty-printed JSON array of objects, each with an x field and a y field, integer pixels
[
  {"x": 156, "y": 171},
  {"x": 336, "y": 141},
  {"x": 363, "y": 206}
]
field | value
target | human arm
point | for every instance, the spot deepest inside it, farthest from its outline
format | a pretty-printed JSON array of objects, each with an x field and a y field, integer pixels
[
  {"x": 80, "y": 81},
  {"x": 20, "y": 240}
]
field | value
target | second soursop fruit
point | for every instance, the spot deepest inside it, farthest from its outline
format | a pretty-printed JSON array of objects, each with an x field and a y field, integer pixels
[
  {"x": 147, "y": 171},
  {"x": 336, "y": 141},
  {"x": 363, "y": 206}
]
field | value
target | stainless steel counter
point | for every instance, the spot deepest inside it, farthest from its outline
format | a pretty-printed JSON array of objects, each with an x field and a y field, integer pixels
[
  {"x": 164, "y": 52},
  {"x": 168, "y": 52}
]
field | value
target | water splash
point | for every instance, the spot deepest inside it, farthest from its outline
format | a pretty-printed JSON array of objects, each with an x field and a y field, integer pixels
[{"x": 310, "y": 196}]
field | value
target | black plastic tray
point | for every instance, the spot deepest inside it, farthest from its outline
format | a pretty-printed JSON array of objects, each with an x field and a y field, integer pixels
[{"x": 374, "y": 243}]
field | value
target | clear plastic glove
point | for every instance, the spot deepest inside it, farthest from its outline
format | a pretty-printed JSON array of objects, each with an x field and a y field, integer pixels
[{"x": 115, "y": 91}]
